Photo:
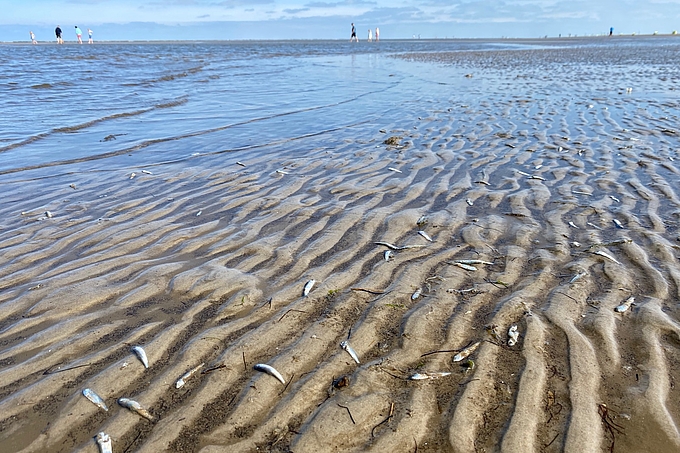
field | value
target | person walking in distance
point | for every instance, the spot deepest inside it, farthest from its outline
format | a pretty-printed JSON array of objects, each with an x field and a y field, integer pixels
[
  {"x": 354, "y": 34},
  {"x": 377, "y": 34},
  {"x": 370, "y": 35},
  {"x": 57, "y": 31},
  {"x": 89, "y": 36},
  {"x": 79, "y": 34},
  {"x": 33, "y": 37}
]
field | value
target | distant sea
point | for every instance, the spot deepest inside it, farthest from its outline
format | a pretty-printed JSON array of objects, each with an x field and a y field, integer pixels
[{"x": 73, "y": 108}]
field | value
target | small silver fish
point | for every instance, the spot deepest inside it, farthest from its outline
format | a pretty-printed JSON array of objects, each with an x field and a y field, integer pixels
[
  {"x": 141, "y": 354},
  {"x": 48, "y": 214},
  {"x": 626, "y": 305},
  {"x": 614, "y": 198},
  {"x": 132, "y": 175},
  {"x": 472, "y": 262},
  {"x": 241, "y": 164},
  {"x": 134, "y": 406},
  {"x": 416, "y": 294},
  {"x": 538, "y": 167},
  {"x": 467, "y": 267},
  {"x": 95, "y": 399},
  {"x": 199, "y": 213},
  {"x": 618, "y": 224},
  {"x": 308, "y": 287},
  {"x": 147, "y": 172},
  {"x": 345, "y": 345},
  {"x": 466, "y": 352},
  {"x": 513, "y": 335},
  {"x": 540, "y": 178},
  {"x": 423, "y": 376},
  {"x": 104, "y": 442},
  {"x": 593, "y": 225},
  {"x": 469, "y": 202},
  {"x": 425, "y": 235},
  {"x": 482, "y": 182},
  {"x": 522, "y": 173},
  {"x": 581, "y": 192},
  {"x": 270, "y": 370},
  {"x": 577, "y": 276},
  {"x": 388, "y": 245},
  {"x": 281, "y": 172},
  {"x": 181, "y": 381},
  {"x": 387, "y": 255},
  {"x": 394, "y": 170},
  {"x": 573, "y": 225},
  {"x": 606, "y": 255}
]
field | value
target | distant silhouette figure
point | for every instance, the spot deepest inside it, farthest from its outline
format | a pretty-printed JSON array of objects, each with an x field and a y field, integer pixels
[
  {"x": 611, "y": 31},
  {"x": 57, "y": 31},
  {"x": 354, "y": 34},
  {"x": 79, "y": 34},
  {"x": 377, "y": 34},
  {"x": 89, "y": 36},
  {"x": 370, "y": 35},
  {"x": 33, "y": 37}
]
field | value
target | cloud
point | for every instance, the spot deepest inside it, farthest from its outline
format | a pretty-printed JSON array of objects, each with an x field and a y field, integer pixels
[{"x": 295, "y": 11}]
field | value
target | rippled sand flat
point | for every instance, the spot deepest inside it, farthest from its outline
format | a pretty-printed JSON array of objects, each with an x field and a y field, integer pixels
[{"x": 540, "y": 163}]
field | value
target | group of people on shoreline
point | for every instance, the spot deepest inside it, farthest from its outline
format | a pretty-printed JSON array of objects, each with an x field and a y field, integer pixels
[
  {"x": 60, "y": 40},
  {"x": 354, "y": 37}
]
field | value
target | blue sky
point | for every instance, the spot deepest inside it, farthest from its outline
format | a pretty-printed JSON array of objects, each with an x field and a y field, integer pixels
[{"x": 289, "y": 19}]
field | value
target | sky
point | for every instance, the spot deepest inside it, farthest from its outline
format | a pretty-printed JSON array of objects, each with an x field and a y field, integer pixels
[{"x": 330, "y": 19}]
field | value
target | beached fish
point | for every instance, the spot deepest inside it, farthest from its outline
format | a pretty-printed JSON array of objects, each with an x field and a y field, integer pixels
[
  {"x": 141, "y": 354},
  {"x": 270, "y": 370},
  {"x": 387, "y": 255},
  {"x": 593, "y": 225},
  {"x": 132, "y": 175},
  {"x": 581, "y": 192},
  {"x": 513, "y": 335},
  {"x": 388, "y": 245},
  {"x": 48, "y": 214},
  {"x": 472, "y": 262},
  {"x": 523, "y": 173},
  {"x": 281, "y": 172},
  {"x": 573, "y": 225},
  {"x": 434, "y": 375},
  {"x": 469, "y": 202},
  {"x": 538, "y": 167},
  {"x": 181, "y": 381},
  {"x": 625, "y": 306},
  {"x": 147, "y": 172},
  {"x": 241, "y": 164},
  {"x": 482, "y": 182},
  {"x": 467, "y": 267},
  {"x": 466, "y": 352},
  {"x": 540, "y": 178},
  {"x": 614, "y": 198},
  {"x": 345, "y": 345},
  {"x": 422, "y": 220},
  {"x": 95, "y": 399},
  {"x": 104, "y": 442},
  {"x": 575, "y": 244},
  {"x": 199, "y": 213},
  {"x": 618, "y": 224},
  {"x": 416, "y": 294},
  {"x": 308, "y": 287},
  {"x": 394, "y": 170},
  {"x": 606, "y": 255},
  {"x": 577, "y": 277},
  {"x": 134, "y": 406},
  {"x": 425, "y": 235}
]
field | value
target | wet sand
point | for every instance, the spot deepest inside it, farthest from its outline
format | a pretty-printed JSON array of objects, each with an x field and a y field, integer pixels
[{"x": 551, "y": 172}]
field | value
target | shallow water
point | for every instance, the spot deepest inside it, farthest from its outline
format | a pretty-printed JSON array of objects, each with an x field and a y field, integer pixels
[{"x": 159, "y": 102}]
